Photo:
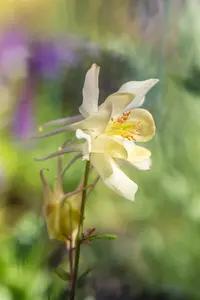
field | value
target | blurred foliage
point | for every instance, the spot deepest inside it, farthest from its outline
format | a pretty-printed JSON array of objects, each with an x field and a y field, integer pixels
[{"x": 156, "y": 255}]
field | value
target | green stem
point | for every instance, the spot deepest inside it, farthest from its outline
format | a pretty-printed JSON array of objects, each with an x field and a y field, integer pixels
[{"x": 78, "y": 239}]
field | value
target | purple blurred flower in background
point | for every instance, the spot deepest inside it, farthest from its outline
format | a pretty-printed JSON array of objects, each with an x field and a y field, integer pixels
[
  {"x": 24, "y": 60},
  {"x": 49, "y": 57},
  {"x": 23, "y": 121},
  {"x": 14, "y": 54}
]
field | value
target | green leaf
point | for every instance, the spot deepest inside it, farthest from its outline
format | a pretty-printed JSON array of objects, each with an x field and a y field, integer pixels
[
  {"x": 107, "y": 236},
  {"x": 62, "y": 274},
  {"x": 101, "y": 237}
]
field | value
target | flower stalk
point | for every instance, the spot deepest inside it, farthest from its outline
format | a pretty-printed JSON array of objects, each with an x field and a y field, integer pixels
[{"x": 80, "y": 229}]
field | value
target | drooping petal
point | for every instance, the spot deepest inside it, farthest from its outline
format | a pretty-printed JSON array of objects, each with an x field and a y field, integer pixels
[
  {"x": 140, "y": 89},
  {"x": 144, "y": 124},
  {"x": 94, "y": 124},
  {"x": 144, "y": 165},
  {"x": 101, "y": 144},
  {"x": 90, "y": 92},
  {"x": 136, "y": 154},
  {"x": 117, "y": 103},
  {"x": 106, "y": 144},
  {"x": 101, "y": 162},
  {"x": 113, "y": 176}
]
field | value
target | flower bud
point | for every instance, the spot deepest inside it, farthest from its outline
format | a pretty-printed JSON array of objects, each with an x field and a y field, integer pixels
[{"x": 61, "y": 211}]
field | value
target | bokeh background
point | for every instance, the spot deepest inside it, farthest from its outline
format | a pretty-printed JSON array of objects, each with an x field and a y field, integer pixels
[{"x": 46, "y": 47}]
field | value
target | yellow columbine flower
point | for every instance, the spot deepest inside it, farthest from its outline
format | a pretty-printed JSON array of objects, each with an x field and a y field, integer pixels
[
  {"x": 111, "y": 131},
  {"x": 61, "y": 211}
]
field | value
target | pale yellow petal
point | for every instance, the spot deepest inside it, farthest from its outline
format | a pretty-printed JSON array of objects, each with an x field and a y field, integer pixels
[
  {"x": 108, "y": 145},
  {"x": 90, "y": 92},
  {"x": 101, "y": 144},
  {"x": 145, "y": 124},
  {"x": 136, "y": 154},
  {"x": 140, "y": 89},
  {"x": 116, "y": 103},
  {"x": 94, "y": 124},
  {"x": 113, "y": 176},
  {"x": 101, "y": 163},
  {"x": 144, "y": 165}
]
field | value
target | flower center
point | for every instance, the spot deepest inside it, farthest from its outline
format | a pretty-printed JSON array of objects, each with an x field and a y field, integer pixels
[{"x": 124, "y": 127}]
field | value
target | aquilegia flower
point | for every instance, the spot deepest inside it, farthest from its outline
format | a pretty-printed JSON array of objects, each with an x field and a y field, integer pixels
[{"x": 110, "y": 131}]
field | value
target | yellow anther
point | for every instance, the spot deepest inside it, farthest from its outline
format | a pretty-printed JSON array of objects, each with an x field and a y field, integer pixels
[
  {"x": 123, "y": 118},
  {"x": 40, "y": 128}
]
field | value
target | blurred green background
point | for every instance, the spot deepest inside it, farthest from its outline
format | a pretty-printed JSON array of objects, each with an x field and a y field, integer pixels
[{"x": 46, "y": 47}]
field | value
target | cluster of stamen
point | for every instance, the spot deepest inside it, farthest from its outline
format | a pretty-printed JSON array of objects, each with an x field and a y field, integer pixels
[
  {"x": 122, "y": 119},
  {"x": 125, "y": 130}
]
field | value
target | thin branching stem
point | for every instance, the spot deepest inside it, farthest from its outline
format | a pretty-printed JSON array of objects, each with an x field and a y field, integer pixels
[
  {"x": 74, "y": 159},
  {"x": 70, "y": 194},
  {"x": 93, "y": 185}
]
